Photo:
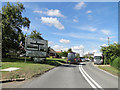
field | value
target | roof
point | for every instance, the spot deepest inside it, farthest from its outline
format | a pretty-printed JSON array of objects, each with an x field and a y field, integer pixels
[{"x": 58, "y": 51}]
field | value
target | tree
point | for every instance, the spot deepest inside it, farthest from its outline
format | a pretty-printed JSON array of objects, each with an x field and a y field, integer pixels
[
  {"x": 35, "y": 34},
  {"x": 110, "y": 52},
  {"x": 69, "y": 50},
  {"x": 63, "y": 54},
  {"x": 12, "y": 24},
  {"x": 77, "y": 55}
]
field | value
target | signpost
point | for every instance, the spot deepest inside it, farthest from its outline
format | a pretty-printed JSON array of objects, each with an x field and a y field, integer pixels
[{"x": 36, "y": 48}]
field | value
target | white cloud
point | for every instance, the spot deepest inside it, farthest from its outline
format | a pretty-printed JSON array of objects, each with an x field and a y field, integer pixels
[
  {"x": 103, "y": 39},
  {"x": 86, "y": 52},
  {"x": 64, "y": 41},
  {"x": 106, "y": 32},
  {"x": 50, "y": 42},
  {"x": 55, "y": 12},
  {"x": 77, "y": 47},
  {"x": 89, "y": 11},
  {"x": 80, "y": 5},
  {"x": 94, "y": 51},
  {"x": 89, "y": 36},
  {"x": 37, "y": 11},
  {"x": 87, "y": 28},
  {"x": 52, "y": 22},
  {"x": 91, "y": 51},
  {"x": 112, "y": 37},
  {"x": 51, "y": 12},
  {"x": 104, "y": 45},
  {"x": 92, "y": 29},
  {"x": 57, "y": 47},
  {"x": 65, "y": 49},
  {"x": 75, "y": 20},
  {"x": 115, "y": 42},
  {"x": 26, "y": 30}
]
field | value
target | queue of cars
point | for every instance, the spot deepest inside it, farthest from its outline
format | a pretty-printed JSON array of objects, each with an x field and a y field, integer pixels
[
  {"x": 98, "y": 59},
  {"x": 73, "y": 59}
]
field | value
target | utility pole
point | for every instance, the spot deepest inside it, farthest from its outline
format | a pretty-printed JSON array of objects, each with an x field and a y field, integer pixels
[
  {"x": 108, "y": 40},
  {"x": 83, "y": 51}
]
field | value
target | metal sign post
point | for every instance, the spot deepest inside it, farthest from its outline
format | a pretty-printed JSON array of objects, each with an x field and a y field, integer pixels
[{"x": 25, "y": 47}]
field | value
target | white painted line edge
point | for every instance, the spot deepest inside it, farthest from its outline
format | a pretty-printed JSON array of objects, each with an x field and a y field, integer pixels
[
  {"x": 86, "y": 78},
  {"x": 91, "y": 78}
]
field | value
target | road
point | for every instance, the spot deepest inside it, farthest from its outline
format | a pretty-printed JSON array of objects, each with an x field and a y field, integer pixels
[{"x": 73, "y": 76}]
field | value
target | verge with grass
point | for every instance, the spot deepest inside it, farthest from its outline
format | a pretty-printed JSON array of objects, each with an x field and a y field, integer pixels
[
  {"x": 28, "y": 69},
  {"x": 109, "y": 69}
]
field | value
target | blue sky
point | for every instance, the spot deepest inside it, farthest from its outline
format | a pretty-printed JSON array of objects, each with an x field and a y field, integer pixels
[{"x": 83, "y": 25}]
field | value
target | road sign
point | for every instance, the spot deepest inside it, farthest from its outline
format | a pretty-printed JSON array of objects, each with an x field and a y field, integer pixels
[{"x": 36, "y": 48}]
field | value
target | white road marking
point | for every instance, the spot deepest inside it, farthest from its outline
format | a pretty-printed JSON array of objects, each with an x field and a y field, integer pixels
[
  {"x": 93, "y": 86},
  {"x": 88, "y": 78},
  {"x": 91, "y": 79}
]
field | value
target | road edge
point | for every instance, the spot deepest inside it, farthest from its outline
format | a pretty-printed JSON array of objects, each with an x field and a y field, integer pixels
[{"x": 104, "y": 71}]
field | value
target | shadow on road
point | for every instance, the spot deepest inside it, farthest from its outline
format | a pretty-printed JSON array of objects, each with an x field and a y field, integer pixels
[
  {"x": 67, "y": 65},
  {"x": 82, "y": 64}
]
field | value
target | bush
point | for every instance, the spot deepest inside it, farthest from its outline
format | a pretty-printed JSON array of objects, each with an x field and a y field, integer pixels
[{"x": 116, "y": 63}]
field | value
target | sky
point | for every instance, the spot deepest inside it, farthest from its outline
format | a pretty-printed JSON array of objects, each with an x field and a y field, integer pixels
[{"x": 77, "y": 25}]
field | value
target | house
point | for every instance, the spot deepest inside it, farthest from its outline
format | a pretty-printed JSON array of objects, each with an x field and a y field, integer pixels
[
  {"x": 58, "y": 51},
  {"x": 52, "y": 52}
]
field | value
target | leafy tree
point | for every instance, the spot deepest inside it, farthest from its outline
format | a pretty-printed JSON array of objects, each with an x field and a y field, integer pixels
[
  {"x": 77, "y": 55},
  {"x": 12, "y": 24},
  {"x": 90, "y": 57},
  {"x": 111, "y": 52},
  {"x": 35, "y": 34},
  {"x": 69, "y": 50},
  {"x": 63, "y": 54}
]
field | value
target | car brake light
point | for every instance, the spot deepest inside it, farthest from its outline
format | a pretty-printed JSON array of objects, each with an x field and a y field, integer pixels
[{"x": 75, "y": 59}]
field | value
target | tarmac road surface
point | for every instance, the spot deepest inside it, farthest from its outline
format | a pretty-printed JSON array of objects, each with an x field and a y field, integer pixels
[{"x": 85, "y": 75}]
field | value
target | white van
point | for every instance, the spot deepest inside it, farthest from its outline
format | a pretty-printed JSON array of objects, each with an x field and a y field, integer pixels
[{"x": 98, "y": 58}]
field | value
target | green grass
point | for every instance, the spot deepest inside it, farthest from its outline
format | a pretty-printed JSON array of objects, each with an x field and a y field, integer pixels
[
  {"x": 28, "y": 69},
  {"x": 110, "y": 69}
]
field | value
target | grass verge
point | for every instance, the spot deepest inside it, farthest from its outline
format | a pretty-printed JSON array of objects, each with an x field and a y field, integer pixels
[
  {"x": 110, "y": 69},
  {"x": 28, "y": 69}
]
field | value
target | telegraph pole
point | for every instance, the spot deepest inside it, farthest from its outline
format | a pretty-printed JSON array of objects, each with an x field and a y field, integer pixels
[
  {"x": 83, "y": 51},
  {"x": 108, "y": 40}
]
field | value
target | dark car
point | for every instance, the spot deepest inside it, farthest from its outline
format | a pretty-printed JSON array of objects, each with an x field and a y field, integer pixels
[{"x": 72, "y": 59}]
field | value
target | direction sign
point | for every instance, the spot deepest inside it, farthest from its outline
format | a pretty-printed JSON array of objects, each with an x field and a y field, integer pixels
[{"x": 36, "y": 48}]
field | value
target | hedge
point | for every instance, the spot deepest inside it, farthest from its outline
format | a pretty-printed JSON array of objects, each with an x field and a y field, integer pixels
[{"x": 116, "y": 63}]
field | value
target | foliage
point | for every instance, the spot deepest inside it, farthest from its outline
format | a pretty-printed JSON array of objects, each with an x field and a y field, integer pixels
[
  {"x": 35, "y": 34},
  {"x": 91, "y": 58},
  {"x": 12, "y": 24},
  {"x": 69, "y": 50},
  {"x": 116, "y": 63},
  {"x": 77, "y": 55},
  {"x": 110, "y": 52},
  {"x": 63, "y": 54},
  {"x": 85, "y": 56}
]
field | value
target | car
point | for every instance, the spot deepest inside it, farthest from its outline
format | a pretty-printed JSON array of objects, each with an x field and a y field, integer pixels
[
  {"x": 98, "y": 59},
  {"x": 72, "y": 59},
  {"x": 83, "y": 59}
]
